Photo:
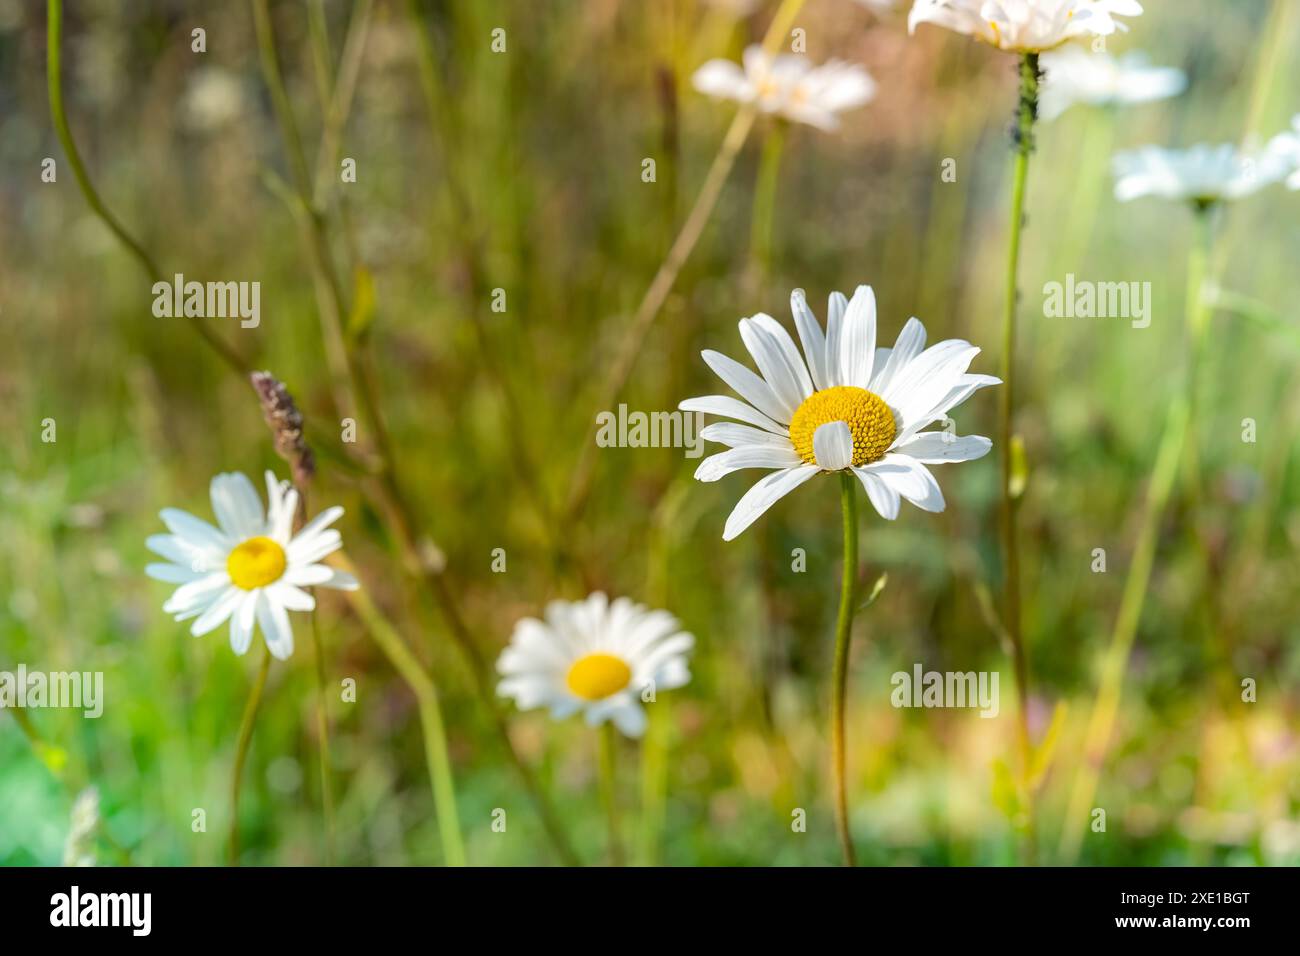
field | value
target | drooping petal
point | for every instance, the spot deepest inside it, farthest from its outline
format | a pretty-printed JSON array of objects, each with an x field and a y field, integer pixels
[
  {"x": 882, "y": 497},
  {"x": 769, "y": 490},
  {"x": 276, "y": 630}
]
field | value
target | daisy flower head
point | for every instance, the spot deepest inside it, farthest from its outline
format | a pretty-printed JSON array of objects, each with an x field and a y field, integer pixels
[
  {"x": 849, "y": 406},
  {"x": 1025, "y": 26},
  {"x": 788, "y": 86},
  {"x": 597, "y": 657},
  {"x": 250, "y": 567},
  {"x": 1202, "y": 174},
  {"x": 1075, "y": 75}
]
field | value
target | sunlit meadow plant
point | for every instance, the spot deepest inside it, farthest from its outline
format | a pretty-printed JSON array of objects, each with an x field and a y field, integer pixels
[
  {"x": 600, "y": 658},
  {"x": 841, "y": 407},
  {"x": 1027, "y": 29},
  {"x": 1073, "y": 76},
  {"x": 788, "y": 86},
  {"x": 1205, "y": 178}
]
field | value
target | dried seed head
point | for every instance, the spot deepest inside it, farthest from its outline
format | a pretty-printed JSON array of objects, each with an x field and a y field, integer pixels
[{"x": 285, "y": 422}]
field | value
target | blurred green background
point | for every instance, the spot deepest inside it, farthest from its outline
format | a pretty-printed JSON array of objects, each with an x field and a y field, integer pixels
[{"x": 526, "y": 176}]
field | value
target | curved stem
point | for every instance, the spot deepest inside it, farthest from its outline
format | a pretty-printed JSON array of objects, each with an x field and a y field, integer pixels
[
  {"x": 840, "y": 669},
  {"x": 54, "y": 79},
  {"x": 1026, "y": 114},
  {"x": 609, "y": 790},
  {"x": 241, "y": 749},
  {"x": 436, "y": 755},
  {"x": 630, "y": 347},
  {"x": 1176, "y": 431}
]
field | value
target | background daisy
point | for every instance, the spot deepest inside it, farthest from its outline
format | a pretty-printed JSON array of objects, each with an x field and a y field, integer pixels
[
  {"x": 595, "y": 657},
  {"x": 251, "y": 567}
]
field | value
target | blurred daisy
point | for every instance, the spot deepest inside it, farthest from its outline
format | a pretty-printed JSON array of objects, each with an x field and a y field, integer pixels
[
  {"x": 1202, "y": 174},
  {"x": 1074, "y": 75},
  {"x": 250, "y": 568},
  {"x": 788, "y": 86},
  {"x": 851, "y": 406},
  {"x": 596, "y": 657},
  {"x": 1025, "y": 26},
  {"x": 1286, "y": 148}
]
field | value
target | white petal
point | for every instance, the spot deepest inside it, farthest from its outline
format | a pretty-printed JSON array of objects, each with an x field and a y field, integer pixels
[
  {"x": 193, "y": 531},
  {"x": 770, "y": 489},
  {"x": 721, "y": 78},
  {"x": 236, "y": 505},
  {"x": 630, "y": 719},
  {"x": 836, "y": 306},
  {"x": 882, "y": 497},
  {"x": 935, "y": 447},
  {"x": 812, "y": 338},
  {"x": 274, "y": 621},
  {"x": 291, "y": 598},
  {"x": 791, "y": 360},
  {"x": 752, "y": 456},
  {"x": 173, "y": 573},
  {"x": 911, "y": 479},
  {"x": 196, "y": 594},
  {"x": 241, "y": 623},
  {"x": 858, "y": 340},
  {"x": 732, "y": 408},
  {"x": 910, "y": 342},
  {"x": 734, "y": 436},
  {"x": 748, "y": 386},
  {"x": 217, "y": 612},
  {"x": 305, "y": 550},
  {"x": 833, "y": 446}
]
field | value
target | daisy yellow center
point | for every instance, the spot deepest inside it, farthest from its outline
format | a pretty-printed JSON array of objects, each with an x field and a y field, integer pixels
[
  {"x": 869, "y": 419},
  {"x": 598, "y": 676},
  {"x": 256, "y": 563}
]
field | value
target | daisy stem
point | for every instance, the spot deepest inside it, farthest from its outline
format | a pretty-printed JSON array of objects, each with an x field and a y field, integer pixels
[
  {"x": 609, "y": 790},
  {"x": 323, "y": 733},
  {"x": 1176, "y": 432},
  {"x": 630, "y": 346},
  {"x": 769, "y": 168},
  {"x": 840, "y": 670},
  {"x": 241, "y": 749},
  {"x": 436, "y": 755},
  {"x": 1027, "y": 112}
]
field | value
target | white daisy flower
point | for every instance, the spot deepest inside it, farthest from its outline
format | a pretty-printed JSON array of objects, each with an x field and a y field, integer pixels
[
  {"x": 596, "y": 657},
  {"x": 1202, "y": 174},
  {"x": 852, "y": 406},
  {"x": 252, "y": 567},
  {"x": 788, "y": 86},
  {"x": 1074, "y": 75},
  {"x": 1286, "y": 147},
  {"x": 1025, "y": 26}
]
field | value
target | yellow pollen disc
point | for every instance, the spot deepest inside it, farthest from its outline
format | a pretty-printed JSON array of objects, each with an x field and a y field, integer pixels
[
  {"x": 869, "y": 419},
  {"x": 597, "y": 676},
  {"x": 255, "y": 563}
]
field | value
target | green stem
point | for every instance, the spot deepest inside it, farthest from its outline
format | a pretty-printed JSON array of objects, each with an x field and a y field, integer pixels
[
  {"x": 769, "y": 168},
  {"x": 54, "y": 74},
  {"x": 241, "y": 749},
  {"x": 609, "y": 790},
  {"x": 436, "y": 755},
  {"x": 1176, "y": 430},
  {"x": 840, "y": 669},
  {"x": 323, "y": 733},
  {"x": 1026, "y": 114}
]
